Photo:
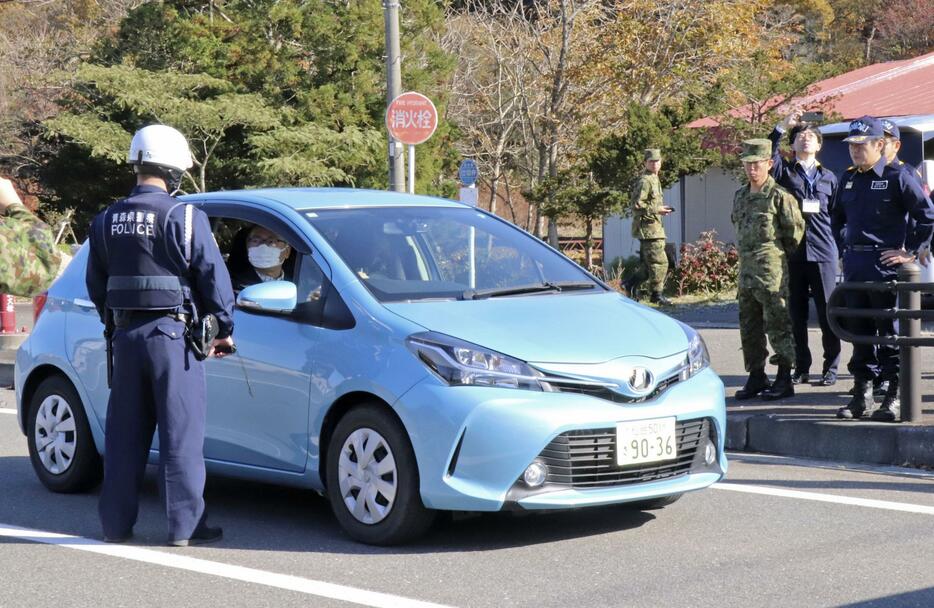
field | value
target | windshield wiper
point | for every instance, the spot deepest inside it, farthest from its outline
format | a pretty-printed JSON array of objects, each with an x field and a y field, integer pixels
[{"x": 480, "y": 294}]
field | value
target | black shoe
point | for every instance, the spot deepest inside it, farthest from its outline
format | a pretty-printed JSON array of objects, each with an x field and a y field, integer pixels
[
  {"x": 891, "y": 406},
  {"x": 202, "y": 536},
  {"x": 860, "y": 403},
  {"x": 800, "y": 377},
  {"x": 828, "y": 379},
  {"x": 660, "y": 299},
  {"x": 757, "y": 382},
  {"x": 122, "y": 538},
  {"x": 782, "y": 387}
]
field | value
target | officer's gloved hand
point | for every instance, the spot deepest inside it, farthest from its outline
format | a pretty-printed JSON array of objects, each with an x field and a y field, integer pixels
[{"x": 223, "y": 347}]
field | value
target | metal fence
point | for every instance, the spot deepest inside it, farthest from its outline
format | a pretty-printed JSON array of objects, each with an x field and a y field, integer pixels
[{"x": 907, "y": 314}]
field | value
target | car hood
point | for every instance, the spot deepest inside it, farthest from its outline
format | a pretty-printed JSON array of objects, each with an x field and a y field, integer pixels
[{"x": 557, "y": 328}]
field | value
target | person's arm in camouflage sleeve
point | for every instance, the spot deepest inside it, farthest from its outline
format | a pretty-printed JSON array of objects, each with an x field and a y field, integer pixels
[
  {"x": 29, "y": 260},
  {"x": 641, "y": 198},
  {"x": 791, "y": 222}
]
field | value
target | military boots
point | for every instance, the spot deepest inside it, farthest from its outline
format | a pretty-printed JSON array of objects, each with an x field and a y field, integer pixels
[
  {"x": 782, "y": 387},
  {"x": 660, "y": 299},
  {"x": 860, "y": 403},
  {"x": 757, "y": 382},
  {"x": 891, "y": 406}
]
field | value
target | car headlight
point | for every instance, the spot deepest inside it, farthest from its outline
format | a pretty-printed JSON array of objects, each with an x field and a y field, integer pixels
[
  {"x": 697, "y": 358},
  {"x": 462, "y": 363}
]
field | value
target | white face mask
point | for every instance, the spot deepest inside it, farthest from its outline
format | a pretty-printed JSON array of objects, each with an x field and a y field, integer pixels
[{"x": 265, "y": 256}]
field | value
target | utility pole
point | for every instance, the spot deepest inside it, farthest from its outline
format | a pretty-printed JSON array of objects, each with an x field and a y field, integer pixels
[{"x": 393, "y": 90}]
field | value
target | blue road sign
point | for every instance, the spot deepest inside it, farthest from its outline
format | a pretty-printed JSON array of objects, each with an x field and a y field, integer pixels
[{"x": 468, "y": 171}]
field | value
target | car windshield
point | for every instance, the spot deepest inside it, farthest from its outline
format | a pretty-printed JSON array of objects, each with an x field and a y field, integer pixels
[{"x": 422, "y": 253}]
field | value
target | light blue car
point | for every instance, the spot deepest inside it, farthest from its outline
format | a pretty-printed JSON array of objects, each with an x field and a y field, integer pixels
[{"x": 424, "y": 355}]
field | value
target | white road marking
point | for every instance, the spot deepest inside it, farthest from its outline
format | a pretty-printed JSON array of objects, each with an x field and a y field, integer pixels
[
  {"x": 203, "y": 566},
  {"x": 6, "y": 410},
  {"x": 843, "y": 500}
]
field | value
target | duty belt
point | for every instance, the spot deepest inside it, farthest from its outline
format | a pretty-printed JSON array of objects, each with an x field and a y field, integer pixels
[
  {"x": 868, "y": 247},
  {"x": 123, "y": 317}
]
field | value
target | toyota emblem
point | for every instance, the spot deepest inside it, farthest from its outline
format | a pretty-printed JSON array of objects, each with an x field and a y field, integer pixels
[{"x": 640, "y": 380}]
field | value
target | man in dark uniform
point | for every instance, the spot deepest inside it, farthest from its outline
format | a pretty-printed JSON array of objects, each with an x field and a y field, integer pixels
[
  {"x": 812, "y": 268},
  {"x": 153, "y": 266},
  {"x": 881, "y": 219}
]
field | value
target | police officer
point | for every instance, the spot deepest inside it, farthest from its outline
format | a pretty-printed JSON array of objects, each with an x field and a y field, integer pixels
[
  {"x": 30, "y": 260},
  {"x": 881, "y": 219},
  {"x": 648, "y": 208},
  {"x": 152, "y": 267},
  {"x": 769, "y": 228},
  {"x": 893, "y": 143},
  {"x": 812, "y": 268}
]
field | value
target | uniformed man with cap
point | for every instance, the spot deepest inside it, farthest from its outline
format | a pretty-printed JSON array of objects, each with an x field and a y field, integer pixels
[
  {"x": 812, "y": 268},
  {"x": 29, "y": 260},
  {"x": 153, "y": 265},
  {"x": 893, "y": 143},
  {"x": 648, "y": 208},
  {"x": 769, "y": 229},
  {"x": 881, "y": 219}
]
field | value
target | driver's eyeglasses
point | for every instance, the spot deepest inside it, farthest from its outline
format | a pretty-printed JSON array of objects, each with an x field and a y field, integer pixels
[{"x": 271, "y": 241}]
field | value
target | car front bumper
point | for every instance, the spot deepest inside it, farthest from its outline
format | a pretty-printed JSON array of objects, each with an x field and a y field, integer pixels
[{"x": 473, "y": 444}]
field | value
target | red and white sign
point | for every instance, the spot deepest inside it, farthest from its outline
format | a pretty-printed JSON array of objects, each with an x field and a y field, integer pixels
[{"x": 411, "y": 118}]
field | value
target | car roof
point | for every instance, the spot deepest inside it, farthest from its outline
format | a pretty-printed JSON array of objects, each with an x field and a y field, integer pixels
[{"x": 325, "y": 198}]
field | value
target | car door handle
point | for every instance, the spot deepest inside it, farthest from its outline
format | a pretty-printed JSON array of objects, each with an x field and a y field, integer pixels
[{"x": 82, "y": 303}]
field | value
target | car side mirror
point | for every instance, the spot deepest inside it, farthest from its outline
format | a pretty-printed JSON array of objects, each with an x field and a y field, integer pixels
[{"x": 272, "y": 296}]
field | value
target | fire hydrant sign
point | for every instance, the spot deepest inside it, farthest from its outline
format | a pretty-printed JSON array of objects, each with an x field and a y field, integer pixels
[{"x": 411, "y": 118}]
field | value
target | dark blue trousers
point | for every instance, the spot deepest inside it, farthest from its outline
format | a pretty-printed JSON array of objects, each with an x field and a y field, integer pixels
[
  {"x": 812, "y": 280},
  {"x": 157, "y": 382},
  {"x": 871, "y": 362}
]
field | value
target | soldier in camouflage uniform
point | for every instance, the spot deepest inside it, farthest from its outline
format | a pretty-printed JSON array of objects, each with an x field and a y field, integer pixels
[
  {"x": 29, "y": 260},
  {"x": 647, "y": 211},
  {"x": 769, "y": 228}
]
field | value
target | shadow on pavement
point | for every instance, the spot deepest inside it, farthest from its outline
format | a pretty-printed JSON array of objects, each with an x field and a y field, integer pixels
[
  {"x": 260, "y": 517},
  {"x": 923, "y": 598},
  {"x": 924, "y": 487}
]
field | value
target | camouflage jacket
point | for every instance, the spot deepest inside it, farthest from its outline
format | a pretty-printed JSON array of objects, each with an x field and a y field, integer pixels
[
  {"x": 769, "y": 228},
  {"x": 646, "y": 202},
  {"x": 29, "y": 260}
]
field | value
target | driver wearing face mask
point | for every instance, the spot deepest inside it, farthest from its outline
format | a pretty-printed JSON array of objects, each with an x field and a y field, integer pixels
[{"x": 266, "y": 253}]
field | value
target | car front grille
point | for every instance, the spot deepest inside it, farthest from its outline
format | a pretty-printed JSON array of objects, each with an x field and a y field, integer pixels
[
  {"x": 587, "y": 459},
  {"x": 602, "y": 392}
]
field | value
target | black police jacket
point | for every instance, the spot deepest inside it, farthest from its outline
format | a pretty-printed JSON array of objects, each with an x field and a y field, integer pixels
[{"x": 150, "y": 252}]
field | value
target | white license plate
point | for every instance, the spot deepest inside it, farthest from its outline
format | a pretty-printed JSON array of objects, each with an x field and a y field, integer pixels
[{"x": 646, "y": 441}]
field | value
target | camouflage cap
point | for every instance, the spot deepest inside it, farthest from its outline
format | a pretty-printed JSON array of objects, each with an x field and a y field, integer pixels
[
  {"x": 756, "y": 150},
  {"x": 652, "y": 154}
]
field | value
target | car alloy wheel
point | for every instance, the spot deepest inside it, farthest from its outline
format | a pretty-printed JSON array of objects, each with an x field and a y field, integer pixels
[
  {"x": 55, "y": 435},
  {"x": 368, "y": 477}
]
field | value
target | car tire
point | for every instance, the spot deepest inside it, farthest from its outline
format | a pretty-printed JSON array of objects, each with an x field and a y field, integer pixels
[
  {"x": 654, "y": 503},
  {"x": 61, "y": 447},
  {"x": 391, "y": 511}
]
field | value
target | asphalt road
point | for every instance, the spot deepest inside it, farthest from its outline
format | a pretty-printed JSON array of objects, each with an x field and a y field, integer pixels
[{"x": 778, "y": 532}]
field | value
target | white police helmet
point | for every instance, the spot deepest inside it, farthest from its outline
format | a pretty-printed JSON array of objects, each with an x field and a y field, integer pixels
[{"x": 160, "y": 146}]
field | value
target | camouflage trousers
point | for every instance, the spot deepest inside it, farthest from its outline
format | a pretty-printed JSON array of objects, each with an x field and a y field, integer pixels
[
  {"x": 653, "y": 265},
  {"x": 762, "y": 313}
]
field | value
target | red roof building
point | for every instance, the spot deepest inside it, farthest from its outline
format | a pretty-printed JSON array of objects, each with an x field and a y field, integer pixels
[{"x": 894, "y": 88}]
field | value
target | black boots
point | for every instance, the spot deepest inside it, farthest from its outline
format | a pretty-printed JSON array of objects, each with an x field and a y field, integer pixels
[
  {"x": 782, "y": 387},
  {"x": 755, "y": 384},
  {"x": 800, "y": 377},
  {"x": 891, "y": 406},
  {"x": 658, "y": 298},
  {"x": 860, "y": 403},
  {"x": 630, "y": 286}
]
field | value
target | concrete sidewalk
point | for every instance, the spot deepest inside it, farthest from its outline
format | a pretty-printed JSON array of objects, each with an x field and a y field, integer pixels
[{"x": 806, "y": 425}]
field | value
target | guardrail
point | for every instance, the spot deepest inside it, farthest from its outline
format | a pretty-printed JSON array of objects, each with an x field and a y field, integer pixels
[{"x": 909, "y": 315}]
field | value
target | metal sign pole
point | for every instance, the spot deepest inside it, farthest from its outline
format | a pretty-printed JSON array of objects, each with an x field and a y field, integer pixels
[{"x": 411, "y": 169}]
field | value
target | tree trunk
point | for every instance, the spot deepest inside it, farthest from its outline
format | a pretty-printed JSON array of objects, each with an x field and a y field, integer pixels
[{"x": 869, "y": 39}]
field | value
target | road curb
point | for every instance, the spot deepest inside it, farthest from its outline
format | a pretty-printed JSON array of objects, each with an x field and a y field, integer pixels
[{"x": 862, "y": 442}]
